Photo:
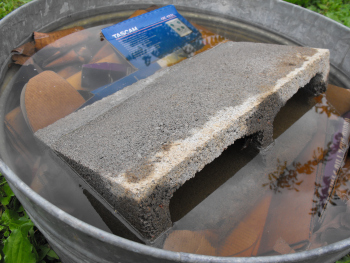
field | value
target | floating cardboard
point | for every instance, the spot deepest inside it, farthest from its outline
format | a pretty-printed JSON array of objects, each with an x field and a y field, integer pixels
[{"x": 139, "y": 145}]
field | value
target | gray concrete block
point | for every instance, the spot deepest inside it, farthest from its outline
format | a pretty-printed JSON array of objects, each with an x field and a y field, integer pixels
[{"x": 138, "y": 146}]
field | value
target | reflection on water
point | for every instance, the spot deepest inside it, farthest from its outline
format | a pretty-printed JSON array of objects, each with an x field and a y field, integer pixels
[{"x": 274, "y": 202}]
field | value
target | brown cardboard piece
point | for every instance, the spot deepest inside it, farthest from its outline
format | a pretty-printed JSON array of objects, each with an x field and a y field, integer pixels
[
  {"x": 47, "y": 98},
  {"x": 333, "y": 94}
]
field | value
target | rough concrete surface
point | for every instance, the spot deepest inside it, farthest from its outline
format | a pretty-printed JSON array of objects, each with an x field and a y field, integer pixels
[{"x": 138, "y": 146}]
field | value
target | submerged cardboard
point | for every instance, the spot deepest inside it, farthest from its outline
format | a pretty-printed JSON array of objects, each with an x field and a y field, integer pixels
[{"x": 139, "y": 145}]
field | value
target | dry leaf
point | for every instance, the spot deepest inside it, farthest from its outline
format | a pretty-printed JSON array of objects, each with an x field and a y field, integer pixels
[
  {"x": 27, "y": 49},
  {"x": 44, "y": 39},
  {"x": 21, "y": 60}
]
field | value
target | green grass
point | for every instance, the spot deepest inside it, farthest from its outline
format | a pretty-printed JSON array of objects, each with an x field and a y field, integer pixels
[
  {"x": 20, "y": 241},
  {"x": 338, "y": 10},
  {"x": 345, "y": 259},
  {"x": 6, "y": 6}
]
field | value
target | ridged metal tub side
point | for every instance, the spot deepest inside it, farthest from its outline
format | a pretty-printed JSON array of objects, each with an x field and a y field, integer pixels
[{"x": 76, "y": 241}]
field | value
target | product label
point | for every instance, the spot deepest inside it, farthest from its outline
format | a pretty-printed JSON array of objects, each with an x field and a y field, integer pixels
[{"x": 151, "y": 36}]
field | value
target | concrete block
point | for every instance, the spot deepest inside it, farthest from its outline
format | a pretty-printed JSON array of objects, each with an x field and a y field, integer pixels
[{"x": 138, "y": 146}]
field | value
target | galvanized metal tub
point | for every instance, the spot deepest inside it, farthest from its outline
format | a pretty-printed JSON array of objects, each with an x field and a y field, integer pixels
[{"x": 277, "y": 21}]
